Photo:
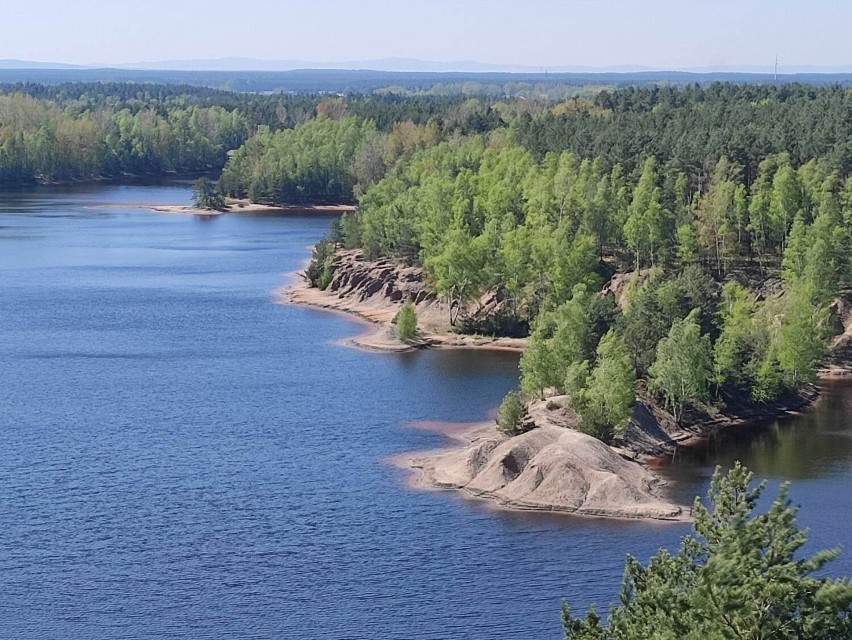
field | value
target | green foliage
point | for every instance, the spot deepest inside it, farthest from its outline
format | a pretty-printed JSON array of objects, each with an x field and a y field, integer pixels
[
  {"x": 40, "y": 140},
  {"x": 658, "y": 301},
  {"x": 311, "y": 163},
  {"x": 683, "y": 369},
  {"x": 740, "y": 574},
  {"x": 560, "y": 339},
  {"x": 604, "y": 397},
  {"x": 406, "y": 321},
  {"x": 799, "y": 344},
  {"x": 457, "y": 272},
  {"x": 206, "y": 196},
  {"x": 319, "y": 271},
  {"x": 648, "y": 225},
  {"x": 511, "y": 414},
  {"x": 732, "y": 350}
]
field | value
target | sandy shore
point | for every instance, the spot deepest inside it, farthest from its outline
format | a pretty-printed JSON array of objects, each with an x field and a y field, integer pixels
[
  {"x": 551, "y": 468},
  {"x": 246, "y": 207},
  {"x": 377, "y": 317}
]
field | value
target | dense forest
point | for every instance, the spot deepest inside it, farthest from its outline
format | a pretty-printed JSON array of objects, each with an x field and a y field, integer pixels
[
  {"x": 726, "y": 209},
  {"x": 85, "y": 131}
]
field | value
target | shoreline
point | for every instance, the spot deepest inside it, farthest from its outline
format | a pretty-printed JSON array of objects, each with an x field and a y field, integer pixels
[
  {"x": 642, "y": 490},
  {"x": 244, "y": 206},
  {"x": 379, "y": 335}
]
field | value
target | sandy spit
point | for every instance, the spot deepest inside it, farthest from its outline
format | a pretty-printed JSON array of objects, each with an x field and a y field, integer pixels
[{"x": 246, "y": 207}]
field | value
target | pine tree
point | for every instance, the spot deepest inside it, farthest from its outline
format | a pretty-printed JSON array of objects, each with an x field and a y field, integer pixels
[{"x": 738, "y": 575}]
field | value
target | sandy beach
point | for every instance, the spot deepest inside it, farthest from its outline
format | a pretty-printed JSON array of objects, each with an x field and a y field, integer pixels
[{"x": 246, "y": 207}]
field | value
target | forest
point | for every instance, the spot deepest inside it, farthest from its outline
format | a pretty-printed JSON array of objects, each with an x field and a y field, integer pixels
[
  {"x": 718, "y": 217},
  {"x": 724, "y": 212},
  {"x": 86, "y": 131}
]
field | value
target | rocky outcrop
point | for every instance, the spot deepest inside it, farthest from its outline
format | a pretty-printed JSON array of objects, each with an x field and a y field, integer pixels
[
  {"x": 552, "y": 467},
  {"x": 839, "y": 357},
  {"x": 375, "y": 291},
  {"x": 354, "y": 277}
]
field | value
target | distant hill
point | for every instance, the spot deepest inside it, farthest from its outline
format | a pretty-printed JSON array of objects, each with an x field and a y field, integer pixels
[
  {"x": 412, "y": 65},
  {"x": 385, "y": 64},
  {"x": 8, "y": 63},
  {"x": 366, "y": 81}
]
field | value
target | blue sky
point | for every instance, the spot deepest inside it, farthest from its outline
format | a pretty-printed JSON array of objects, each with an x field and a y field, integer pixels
[{"x": 599, "y": 33}]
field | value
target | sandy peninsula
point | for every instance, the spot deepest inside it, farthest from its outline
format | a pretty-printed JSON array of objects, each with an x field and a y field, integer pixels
[
  {"x": 552, "y": 466},
  {"x": 251, "y": 208}
]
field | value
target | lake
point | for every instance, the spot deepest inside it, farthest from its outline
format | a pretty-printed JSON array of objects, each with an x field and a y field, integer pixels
[{"x": 182, "y": 458}]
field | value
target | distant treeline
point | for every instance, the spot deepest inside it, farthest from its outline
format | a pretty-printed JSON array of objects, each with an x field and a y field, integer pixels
[
  {"x": 493, "y": 84},
  {"x": 691, "y": 128},
  {"x": 82, "y": 131}
]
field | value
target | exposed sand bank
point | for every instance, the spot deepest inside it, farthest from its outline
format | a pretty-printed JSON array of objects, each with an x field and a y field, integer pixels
[
  {"x": 244, "y": 206},
  {"x": 549, "y": 468}
]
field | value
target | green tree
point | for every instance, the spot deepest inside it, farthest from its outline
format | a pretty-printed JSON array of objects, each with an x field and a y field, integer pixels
[
  {"x": 716, "y": 214},
  {"x": 458, "y": 271},
  {"x": 732, "y": 349},
  {"x": 740, "y": 574},
  {"x": 799, "y": 344},
  {"x": 539, "y": 367},
  {"x": 643, "y": 222},
  {"x": 785, "y": 201},
  {"x": 607, "y": 401},
  {"x": 320, "y": 270},
  {"x": 510, "y": 416},
  {"x": 406, "y": 321},
  {"x": 205, "y": 195},
  {"x": 683, "y": 368},
  {"x": 560, "y": 339}
]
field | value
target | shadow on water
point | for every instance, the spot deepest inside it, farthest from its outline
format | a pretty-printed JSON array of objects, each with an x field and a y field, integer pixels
[{"x": 816, "y": 444}]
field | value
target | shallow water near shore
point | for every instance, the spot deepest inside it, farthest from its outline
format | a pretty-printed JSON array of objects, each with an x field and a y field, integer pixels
[{"x": 182, "y": 458}]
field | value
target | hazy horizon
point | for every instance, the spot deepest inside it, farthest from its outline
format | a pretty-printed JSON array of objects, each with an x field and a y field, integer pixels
[
  {"x": 657, "y": 35},
  {"x": 237, "y": 64}
]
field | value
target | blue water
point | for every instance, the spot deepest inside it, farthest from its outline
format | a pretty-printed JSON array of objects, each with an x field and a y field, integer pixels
[{"x": 182, "y": 458}]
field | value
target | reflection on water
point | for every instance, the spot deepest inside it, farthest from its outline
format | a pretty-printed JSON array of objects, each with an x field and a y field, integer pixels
[
  {"x": 816, "y": 444},
  {"x": 813, "y": 451}
]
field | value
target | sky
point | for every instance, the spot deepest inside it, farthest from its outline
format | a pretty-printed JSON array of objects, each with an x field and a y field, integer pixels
[{"x": 663, "y": 34}]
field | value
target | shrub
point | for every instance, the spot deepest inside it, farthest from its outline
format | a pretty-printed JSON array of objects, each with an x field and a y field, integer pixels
[
  {"x": 319, "y": 271},
  {"x": 511, "y": 414},
  {"x": 406, "y": 321}
]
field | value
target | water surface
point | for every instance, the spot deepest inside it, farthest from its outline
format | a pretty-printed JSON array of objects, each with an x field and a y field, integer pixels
[{"x": 182, "y": 458}]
